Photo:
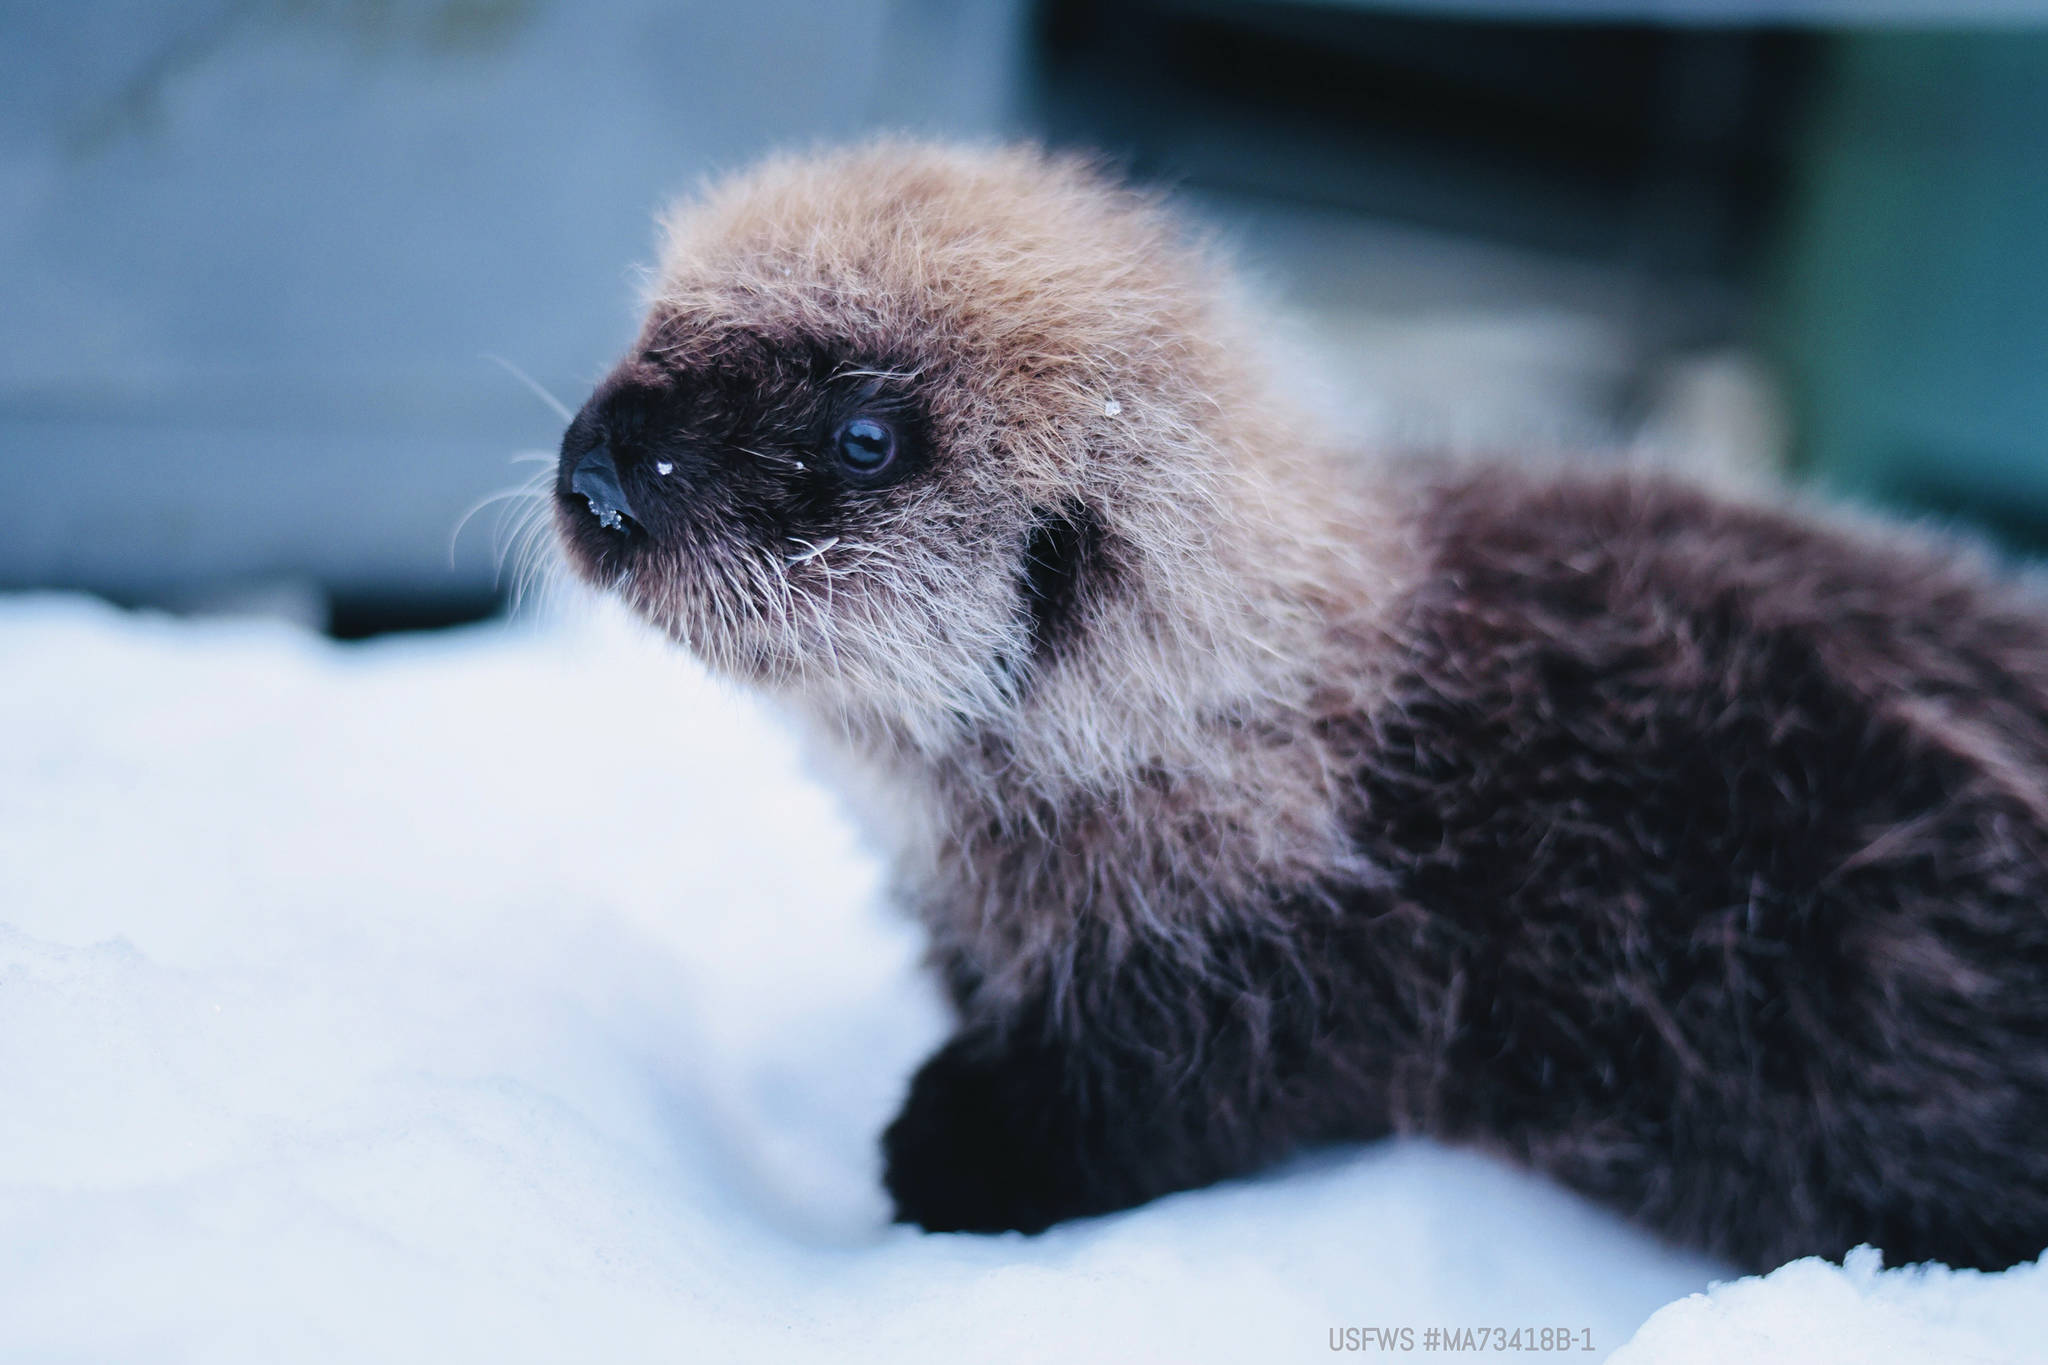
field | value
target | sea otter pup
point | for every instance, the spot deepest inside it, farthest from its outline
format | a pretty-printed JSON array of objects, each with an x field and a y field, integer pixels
[{"x": 1256, "y": 796}]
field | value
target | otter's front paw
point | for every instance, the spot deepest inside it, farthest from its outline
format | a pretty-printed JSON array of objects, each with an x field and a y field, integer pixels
[{"x": 984, "y": 1144}]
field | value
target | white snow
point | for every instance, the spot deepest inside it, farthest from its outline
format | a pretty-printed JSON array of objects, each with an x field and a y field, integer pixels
[
  {"x": 1818, "y": 1313},
  {"x": 351, "y": 1008}
]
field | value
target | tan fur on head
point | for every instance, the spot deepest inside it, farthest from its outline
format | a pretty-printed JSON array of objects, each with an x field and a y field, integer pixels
[
  {"x": 1074, "y": 350},
  {"x": 1075, "y": 344}
]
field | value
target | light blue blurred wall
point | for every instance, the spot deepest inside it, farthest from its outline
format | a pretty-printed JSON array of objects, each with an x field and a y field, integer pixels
[{"x": 254, "y": 252}]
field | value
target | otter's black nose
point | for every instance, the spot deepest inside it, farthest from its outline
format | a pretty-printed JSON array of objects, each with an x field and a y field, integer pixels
[{"x": 596, "y": 479}]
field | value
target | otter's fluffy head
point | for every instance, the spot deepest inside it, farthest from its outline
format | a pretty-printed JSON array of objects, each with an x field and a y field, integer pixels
[{"x": 905, "y": 421}]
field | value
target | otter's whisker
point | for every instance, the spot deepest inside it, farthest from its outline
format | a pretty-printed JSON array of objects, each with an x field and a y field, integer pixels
[
  {"x": 525, "y": 491},
  {"x": 560, "y": 408},
  {"x": 811, "y": 551}
]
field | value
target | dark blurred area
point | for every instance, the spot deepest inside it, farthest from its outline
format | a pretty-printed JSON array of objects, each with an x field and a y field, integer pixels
[
  {"x": 272, "y": 268},
  {"x": 1658, "y": 146}
]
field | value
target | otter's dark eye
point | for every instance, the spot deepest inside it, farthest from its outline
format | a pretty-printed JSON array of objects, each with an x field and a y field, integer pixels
[{"x": 864, "y": 445}]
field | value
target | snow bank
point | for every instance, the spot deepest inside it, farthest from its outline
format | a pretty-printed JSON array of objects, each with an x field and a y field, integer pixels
[
  {"x": 512, "y": 994},
  {"x": 1818, "y": 1313}
]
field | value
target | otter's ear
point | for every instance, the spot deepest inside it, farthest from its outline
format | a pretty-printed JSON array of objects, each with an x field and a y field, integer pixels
[{"x": 1062, "y": 566}]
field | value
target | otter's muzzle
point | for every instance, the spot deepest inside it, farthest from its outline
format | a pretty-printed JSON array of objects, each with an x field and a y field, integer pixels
[{"x": 596, "y": 480}]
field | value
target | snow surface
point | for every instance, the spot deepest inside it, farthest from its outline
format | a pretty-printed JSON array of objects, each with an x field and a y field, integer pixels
[
  {"x": 513, "y": 994},
  {"x": 1817, "y": 1313}
]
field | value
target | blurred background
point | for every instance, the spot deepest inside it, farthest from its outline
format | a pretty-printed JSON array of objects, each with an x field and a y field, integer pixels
[{"x": 267, "y": 267}]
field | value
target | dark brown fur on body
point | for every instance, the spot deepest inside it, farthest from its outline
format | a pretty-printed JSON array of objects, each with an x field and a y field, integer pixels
[
  {"x": 1693, "y": 852},
  {"x": 1727, "y": 832}
]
